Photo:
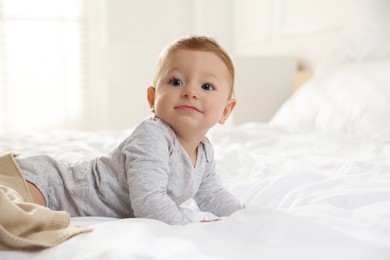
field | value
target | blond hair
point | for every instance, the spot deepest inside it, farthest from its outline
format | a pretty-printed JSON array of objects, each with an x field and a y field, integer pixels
[{"x": 198, "y": 43}]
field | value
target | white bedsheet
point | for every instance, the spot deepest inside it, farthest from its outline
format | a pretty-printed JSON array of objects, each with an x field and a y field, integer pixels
[{"x": 308, "y": 196}]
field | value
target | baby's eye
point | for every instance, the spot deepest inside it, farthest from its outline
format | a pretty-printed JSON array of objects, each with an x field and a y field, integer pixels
[
  {"x": 208, "y": 87},
  {"x": 176, "y": 82}
]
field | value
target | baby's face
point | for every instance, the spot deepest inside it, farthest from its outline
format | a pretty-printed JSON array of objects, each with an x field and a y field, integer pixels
[{"x": 192, "y": 91}]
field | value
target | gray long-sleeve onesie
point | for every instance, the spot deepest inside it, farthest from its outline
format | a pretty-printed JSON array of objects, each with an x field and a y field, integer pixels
[{"x": 148, "y": 175}]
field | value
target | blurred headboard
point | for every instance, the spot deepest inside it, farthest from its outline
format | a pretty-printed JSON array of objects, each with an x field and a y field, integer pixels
[{"x": 301, "y": 76}]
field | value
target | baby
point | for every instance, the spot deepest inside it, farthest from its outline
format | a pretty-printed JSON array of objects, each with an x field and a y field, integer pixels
[{"x": 166, "y": 160}]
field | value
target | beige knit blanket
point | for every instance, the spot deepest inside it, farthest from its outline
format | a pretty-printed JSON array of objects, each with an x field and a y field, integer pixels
[{"x": 23, "y": 224}]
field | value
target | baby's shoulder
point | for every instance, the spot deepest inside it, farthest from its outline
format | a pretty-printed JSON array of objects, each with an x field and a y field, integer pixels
[
  {"x": 152, "y": 130},
  {"x": 154, "y": 125}
]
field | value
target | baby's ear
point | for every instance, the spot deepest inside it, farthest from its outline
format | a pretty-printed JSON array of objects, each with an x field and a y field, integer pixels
[
  {"x": 150, "y": 96},
  {"x": 230, "y": 104}
]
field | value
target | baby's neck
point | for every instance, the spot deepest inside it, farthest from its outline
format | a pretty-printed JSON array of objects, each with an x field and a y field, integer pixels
[
  {"x": 190, "y": 145},
  {"x": 190, "y": 141},
  {"x": 191, "y": 148}
]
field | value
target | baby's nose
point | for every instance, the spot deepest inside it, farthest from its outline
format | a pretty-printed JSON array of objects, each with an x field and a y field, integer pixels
[{"x": 190, "y": 92}]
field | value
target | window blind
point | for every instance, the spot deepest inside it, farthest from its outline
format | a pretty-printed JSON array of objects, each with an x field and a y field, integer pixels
[{"x": 42, "y": 64}]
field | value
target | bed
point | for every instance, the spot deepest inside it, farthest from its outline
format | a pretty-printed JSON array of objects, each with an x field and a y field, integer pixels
[
  {"x": 307, "y": 195},
  {"x": 315, "y": 179}
]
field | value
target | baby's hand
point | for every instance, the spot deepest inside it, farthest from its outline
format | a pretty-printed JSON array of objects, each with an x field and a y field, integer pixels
[{"x": 210, "y": 220}]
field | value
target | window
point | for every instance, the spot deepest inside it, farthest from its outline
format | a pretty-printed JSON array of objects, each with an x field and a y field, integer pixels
[{"x": 42, "y": 64}]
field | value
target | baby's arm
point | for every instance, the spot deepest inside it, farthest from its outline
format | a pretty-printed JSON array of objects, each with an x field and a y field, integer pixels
[
  {"x": 212, "y": 196},
  {"x": 147, "y": 167}
]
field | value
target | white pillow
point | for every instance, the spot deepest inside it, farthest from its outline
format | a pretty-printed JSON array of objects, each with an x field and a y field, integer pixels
[
  {"x": 351, "y": 98},
  {"x": 366, "y": 37}
]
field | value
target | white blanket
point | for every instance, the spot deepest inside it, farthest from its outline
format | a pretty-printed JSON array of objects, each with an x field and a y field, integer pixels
[{"x": 308, "y": 196}]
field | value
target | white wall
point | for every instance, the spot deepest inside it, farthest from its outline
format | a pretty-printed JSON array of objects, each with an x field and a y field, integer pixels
[
  {"x": 304, "y": 29},
  {"x": 125, "y": 42},
  {"x": 129, "y": 34}
]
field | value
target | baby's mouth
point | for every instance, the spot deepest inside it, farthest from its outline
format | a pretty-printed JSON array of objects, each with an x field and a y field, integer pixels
[{"x": 188, "y": 108}]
